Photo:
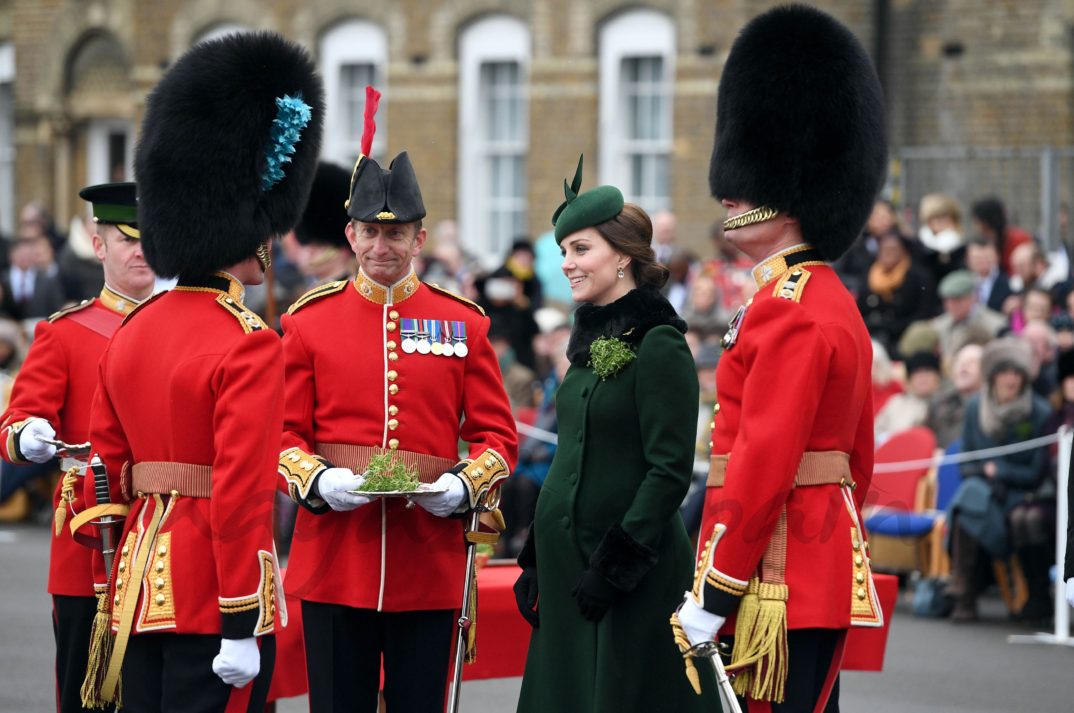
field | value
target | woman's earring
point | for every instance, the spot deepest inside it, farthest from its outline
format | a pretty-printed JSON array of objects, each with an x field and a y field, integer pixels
[{"x": 621, "y": 273}]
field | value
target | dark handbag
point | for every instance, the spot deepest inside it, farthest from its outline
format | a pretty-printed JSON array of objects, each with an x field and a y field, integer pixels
[{"x": 931, "y": 599}]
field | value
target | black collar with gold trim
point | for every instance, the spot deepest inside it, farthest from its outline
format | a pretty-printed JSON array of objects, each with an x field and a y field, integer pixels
[
  {"x": 380, "y": 294},
  {"x": 219, "y": 281},
  {"x": 781, "y": 262},
  {"x": 117, "y": 301}
]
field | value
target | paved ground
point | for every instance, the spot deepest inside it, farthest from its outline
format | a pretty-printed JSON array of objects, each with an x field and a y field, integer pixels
[{"x": 932, "y": 666}]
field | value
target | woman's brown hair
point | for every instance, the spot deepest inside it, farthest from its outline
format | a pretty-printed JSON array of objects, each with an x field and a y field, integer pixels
[{"x": 631, "y": 233}]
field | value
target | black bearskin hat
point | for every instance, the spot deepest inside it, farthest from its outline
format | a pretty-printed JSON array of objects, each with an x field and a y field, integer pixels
[
  {"x": 227, "y": 151},
  {"x": 800, "y": 125},
  {"x": 324, "y": 221}
]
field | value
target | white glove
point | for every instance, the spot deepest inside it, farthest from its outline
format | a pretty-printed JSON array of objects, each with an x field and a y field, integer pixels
[
  {"x": 333, "y": 486},
  {"x": 447, "y": 502},
  {"x": 699, "y": 625},
  {"x": 1070, "y": 591},
  {"x": 238, "y": 662},
  {"x": 30, "y": 440}
]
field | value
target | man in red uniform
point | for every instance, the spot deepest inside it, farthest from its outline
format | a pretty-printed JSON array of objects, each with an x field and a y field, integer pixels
[
  {"x": 799, "y": 158},
  {"x": 386, "y": 364},
  {"x": 51, "y": 400},
  {"x": 190, "y": 402}
]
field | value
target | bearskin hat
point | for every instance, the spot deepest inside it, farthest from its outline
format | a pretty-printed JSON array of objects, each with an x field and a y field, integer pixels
[
  {"x": 800, "y": 125},
  {"x": 325, "y": 219},
  {"x": 227, "y": 152}
]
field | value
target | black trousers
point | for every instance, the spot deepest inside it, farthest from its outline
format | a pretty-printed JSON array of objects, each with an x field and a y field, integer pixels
[
  {"x": 173, "y": 673},
  {"x": 344, "y": 647},
  {"x": 810, "y": 653},
  {"x": 72, "y": 620}
]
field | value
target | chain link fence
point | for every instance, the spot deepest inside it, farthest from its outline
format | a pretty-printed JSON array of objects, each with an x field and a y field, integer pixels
[{"x": 1036, "y": 185}]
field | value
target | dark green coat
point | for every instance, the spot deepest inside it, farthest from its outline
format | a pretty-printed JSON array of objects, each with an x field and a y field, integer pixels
[{"x": 611, "y": 502}]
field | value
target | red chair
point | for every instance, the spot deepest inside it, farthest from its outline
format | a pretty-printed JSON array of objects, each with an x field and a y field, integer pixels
[{"x": 897, "y": 500}]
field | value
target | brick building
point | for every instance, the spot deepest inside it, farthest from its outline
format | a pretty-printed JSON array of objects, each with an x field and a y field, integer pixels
[{"x": 495, "y": 100}]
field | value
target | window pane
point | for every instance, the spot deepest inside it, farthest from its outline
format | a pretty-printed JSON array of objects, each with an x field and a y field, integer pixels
[
  {"x": 353, "y": 79},
  {"x": 646, "y": 143}
]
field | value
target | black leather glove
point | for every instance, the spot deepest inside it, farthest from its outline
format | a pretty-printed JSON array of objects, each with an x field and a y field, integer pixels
[
  {"x": 526, "y": 596},
  {"x": 594, "y": 595}
]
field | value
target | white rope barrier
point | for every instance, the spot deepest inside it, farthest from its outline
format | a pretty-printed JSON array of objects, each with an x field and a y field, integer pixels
[{"x": 982, "y": 454}]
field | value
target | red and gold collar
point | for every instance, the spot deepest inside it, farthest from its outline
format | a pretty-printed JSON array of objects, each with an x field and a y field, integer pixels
[
  {"x": 784, "y": 260},
  {"x": 392, "y": 294},
  {"x": 117, "y": 301}
]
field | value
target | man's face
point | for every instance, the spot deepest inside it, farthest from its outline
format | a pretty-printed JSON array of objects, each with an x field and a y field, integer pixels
[
  {"x": 125, "y": 267},
  {"x": 1037, "y": 306},
  {"x": 23, "y": 254},
  {"x": 959, "y": 307},
  {"x": 757, "y": 240},
  {"x": 966, "y": 370},
  {"x": 385, "y": 250},
  {"x": 981, "y": 259}
]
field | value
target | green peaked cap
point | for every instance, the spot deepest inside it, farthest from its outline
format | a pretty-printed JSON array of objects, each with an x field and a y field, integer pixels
[{"x": 586, "y": 210}]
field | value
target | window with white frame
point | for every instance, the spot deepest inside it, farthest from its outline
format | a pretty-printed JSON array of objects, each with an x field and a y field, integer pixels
[
  {"x": 637, "y": 52},
  {"x": 109, "y": 151},
  {"x": 493, "y": 135},
  {"x": 353, "y": 55}
]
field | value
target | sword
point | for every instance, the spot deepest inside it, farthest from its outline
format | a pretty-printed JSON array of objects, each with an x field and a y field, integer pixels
[
  {"x": 711, "y": 651},
  {"x": 68, "y": 450},
  {"x": 107, "y": 523},
  {"x": 464, "y": 622}
]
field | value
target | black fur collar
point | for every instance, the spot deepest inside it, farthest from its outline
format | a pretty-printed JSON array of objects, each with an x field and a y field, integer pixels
[{"x": 629, "y": 318}]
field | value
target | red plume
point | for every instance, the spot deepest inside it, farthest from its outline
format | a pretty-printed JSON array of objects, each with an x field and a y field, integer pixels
[{"x": 369, "y": 127}]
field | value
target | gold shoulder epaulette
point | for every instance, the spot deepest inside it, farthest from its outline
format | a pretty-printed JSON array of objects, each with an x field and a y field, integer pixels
[
  {"x": 458, "y": 298},
  {"x": 329, "y": 288},
  {"x": 791, "y": 285},
  {"x": 138, "y": 309},
  {"x": 69, "y": 310},
  {"x": 250, "y": 321}
]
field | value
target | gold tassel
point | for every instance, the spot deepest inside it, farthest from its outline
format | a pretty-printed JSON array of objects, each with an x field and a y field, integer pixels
[
  {"x": 67, "y": 496},
  {"x": 745, "y": 645},
  {"x": 100, "y": 652},
  {"x": 762, "y": 658}
]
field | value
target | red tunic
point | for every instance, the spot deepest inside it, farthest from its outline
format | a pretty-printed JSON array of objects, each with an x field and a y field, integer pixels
[
  {"x": 349, "y": 381},
  {"x": 192, "y": 377},
  {"x": 796, "y": 380},
  {"x": 56, "y": 383}
]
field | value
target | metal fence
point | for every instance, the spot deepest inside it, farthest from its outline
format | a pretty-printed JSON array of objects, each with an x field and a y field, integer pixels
[{"x": 1036, "y": 185}]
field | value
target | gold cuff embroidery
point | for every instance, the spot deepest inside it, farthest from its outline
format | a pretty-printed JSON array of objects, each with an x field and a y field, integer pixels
[
  {"x": 483, "y": 473},
  {"x": 263, "y": 601},
  {"x": 12, "y": 440},
  {"x": 299, "y": 469}
]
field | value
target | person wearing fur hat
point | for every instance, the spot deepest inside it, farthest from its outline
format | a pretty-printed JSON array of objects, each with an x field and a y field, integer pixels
[
  {"x": 385, "y": 364},
  {"x": 189, "y": 408},
  {"x": 607, "y": 555},
  {"x": 51, "y": 398},
  {"x": 995, "y": 509},
  {"x": 784, "y": 569},
  {"x": 322, "y": 231}
]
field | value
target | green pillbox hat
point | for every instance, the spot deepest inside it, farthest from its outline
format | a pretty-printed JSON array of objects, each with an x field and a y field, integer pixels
[{"x": 586, "y": 210}]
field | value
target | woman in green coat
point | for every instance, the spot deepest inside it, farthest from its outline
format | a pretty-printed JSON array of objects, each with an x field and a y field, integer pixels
[{"x": 608, "y": 558}]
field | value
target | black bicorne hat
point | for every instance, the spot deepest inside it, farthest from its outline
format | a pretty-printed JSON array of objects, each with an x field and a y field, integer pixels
[
  {"x": 227, "y": 152},
  {"x": 324, "y": 221},
  {"x": 800, "y": 125},
  {"x": 386, "y": 196}
]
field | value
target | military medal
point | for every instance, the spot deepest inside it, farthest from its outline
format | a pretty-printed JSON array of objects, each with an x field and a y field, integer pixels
[
  {"x": 458, "y": 335},
  {"x": 436, "y": 347},
  {"x": 423, "y": 345},
  {"x": 409, "y": 329},
  {"x": 448, "y": 347}
]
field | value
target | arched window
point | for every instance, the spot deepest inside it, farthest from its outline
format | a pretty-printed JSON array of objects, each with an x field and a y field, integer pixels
[
  {"x": 494, "y": 56},
  {"x": 637, "y": 55},
  {"x": 7, "y": 138},
  {"x": 353, "y": 53}
]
